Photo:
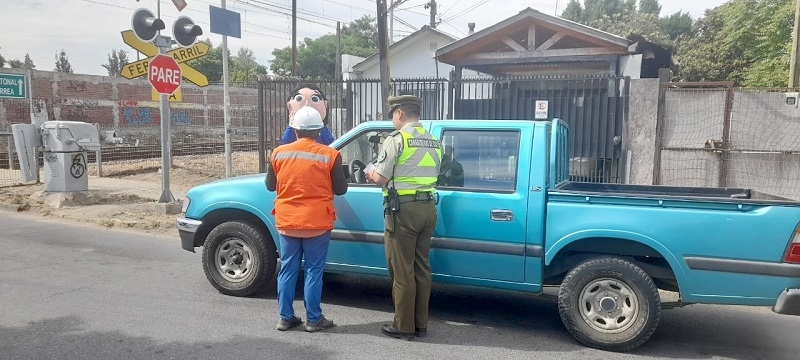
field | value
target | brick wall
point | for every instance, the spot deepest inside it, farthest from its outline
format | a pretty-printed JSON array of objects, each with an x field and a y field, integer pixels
[{"x": 118, "y": 103}]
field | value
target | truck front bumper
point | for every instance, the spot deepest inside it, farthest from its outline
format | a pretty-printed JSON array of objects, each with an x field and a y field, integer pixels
[
  {"x": 788, "y": 302},
  {"x": 187, "y": 229}
]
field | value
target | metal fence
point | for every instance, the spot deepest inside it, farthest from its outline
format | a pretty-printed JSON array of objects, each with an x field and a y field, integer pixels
[
  {"x": 593, "y": 107},
  {"x": 715, "y": 135},
  {"x": 350, "y": 102}
]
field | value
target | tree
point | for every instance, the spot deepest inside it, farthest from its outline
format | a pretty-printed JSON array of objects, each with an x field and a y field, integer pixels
[
  {"x": 62, "y": 62},
  {"x": 245, "y": 67},
  {"x": 744, "y": 41},
  {"x": 2, "y": 61},
  {"x": 15, "y": 64},
  {"x": 649, "y": 7},
  {"x": 116, "y": 60},
  {"x": 677, "y": 25},
  {"x": 28, "y": 63},
  {"x": 211, "y": 64},
  {"x": 573, "y": 11},
  {"x": 316, "y": 58}
]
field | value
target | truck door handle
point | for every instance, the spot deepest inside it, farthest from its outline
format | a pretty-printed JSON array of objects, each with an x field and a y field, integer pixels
[{"x": 501, "y": 215}]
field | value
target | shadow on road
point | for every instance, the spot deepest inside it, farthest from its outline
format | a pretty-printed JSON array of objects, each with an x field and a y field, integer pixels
[
  {"x": 67, "y": 335},
  {"x": 513, "y": 320}
]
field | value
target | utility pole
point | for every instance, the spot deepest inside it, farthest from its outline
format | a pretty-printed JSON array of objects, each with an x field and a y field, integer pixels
[
  {"x": 794, "y": 75},
  {"x": 432, "y": 5},
  {"x": 383, "y": 54},
  {"x": 294, "y": 37}
]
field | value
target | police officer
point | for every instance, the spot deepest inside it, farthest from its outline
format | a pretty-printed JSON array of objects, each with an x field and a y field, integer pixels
[{"x": 407, "y": 168}]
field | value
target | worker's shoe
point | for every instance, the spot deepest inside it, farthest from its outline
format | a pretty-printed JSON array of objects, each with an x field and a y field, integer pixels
[
  {"x": 420, "y": 332},
  {"x": 389, "y": 330},
  {"x": 284, "y": 325},
  {"x": 322, "y": 324}
]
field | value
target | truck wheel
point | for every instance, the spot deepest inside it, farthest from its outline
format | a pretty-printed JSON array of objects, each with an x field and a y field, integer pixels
[
  {"x": 609, "y": 303},
  {"x": 238, "y": 259}
]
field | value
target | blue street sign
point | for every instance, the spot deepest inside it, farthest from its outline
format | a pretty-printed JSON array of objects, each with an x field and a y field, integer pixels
[{"x": 225, "y": 22}]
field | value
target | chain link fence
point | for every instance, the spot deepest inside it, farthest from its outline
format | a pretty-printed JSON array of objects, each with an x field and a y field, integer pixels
[
  {"x": 197, "y": 133},
  {"x": 715, "y": 135}
]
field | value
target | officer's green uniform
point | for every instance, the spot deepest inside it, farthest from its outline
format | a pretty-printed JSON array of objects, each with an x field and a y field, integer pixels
[{"x": 411, "y": 158}]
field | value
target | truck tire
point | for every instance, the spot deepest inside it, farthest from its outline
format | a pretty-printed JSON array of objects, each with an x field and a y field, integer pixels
[
  {"x": 238, "y": 259},
  {"x": 609, "y": 303}
]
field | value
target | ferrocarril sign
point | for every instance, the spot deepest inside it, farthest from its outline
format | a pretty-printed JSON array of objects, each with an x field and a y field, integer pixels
[{"x": 13, "y": 86}]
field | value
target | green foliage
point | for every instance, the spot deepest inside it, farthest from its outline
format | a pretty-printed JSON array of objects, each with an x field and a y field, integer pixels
[
  {"x": 15, "y": 64},
  {"x": 316, "y": 58},
  {"x": 28, "y": 63},
  {"x": 650, "y": 7},
  {"x": 62, "y": 63},
  {"x": 245, "y": 67},
  {"x": 211, "y": 64},
  {"x": 677, "y": 25},
  {"x": 573, "y": 11},
  {"x": 744, "y": 41},
  {"x": 116, "y": 59}
]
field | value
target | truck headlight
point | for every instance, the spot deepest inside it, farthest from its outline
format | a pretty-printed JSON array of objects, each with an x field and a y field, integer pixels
[{"x": 185, "y": 205}]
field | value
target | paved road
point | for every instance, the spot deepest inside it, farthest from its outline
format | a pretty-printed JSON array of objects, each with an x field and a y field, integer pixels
[{"x": 75, "y": 292}]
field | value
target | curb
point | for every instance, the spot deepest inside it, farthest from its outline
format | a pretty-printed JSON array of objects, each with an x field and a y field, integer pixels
[{"x": 10, "y": 207}]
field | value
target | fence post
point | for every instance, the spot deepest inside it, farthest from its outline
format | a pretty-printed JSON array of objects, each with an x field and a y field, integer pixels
[
  {"x": 10, "y": 151},
  {"x": 663, "y": 79},
  {"x": 99, "y": 156},
  {"x": 262, "y": 136}
]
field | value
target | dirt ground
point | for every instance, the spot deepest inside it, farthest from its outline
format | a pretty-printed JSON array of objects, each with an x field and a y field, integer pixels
[{"x": 128, "y": 197}]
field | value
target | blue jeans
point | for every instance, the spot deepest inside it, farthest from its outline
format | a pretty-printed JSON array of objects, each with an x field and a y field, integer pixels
[{"x": 293, "y": 250}]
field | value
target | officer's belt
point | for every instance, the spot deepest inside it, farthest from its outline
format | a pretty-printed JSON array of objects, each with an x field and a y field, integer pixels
[{"x": 422, "y": 196}]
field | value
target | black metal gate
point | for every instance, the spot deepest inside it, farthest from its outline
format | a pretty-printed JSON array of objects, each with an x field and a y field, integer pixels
[{"x": 593, "y": 107}]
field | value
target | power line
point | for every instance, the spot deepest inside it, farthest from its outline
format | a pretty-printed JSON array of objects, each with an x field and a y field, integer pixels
[
  {"x": 467, "y": 10},
  {"x": 451, "y": 6},
  {"x": 197, "y": 21}
]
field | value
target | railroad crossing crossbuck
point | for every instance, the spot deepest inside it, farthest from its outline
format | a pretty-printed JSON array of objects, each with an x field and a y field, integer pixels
[{"x": 181, "y": 55}]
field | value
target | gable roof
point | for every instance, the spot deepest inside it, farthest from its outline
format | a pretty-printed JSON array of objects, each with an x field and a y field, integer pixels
[
  {"x": 524, "y": 17},
  {"x": 402, "y": 43}
]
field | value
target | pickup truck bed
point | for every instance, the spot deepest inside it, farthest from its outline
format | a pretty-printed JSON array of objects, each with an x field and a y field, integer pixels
[{"x": 736, "y": 195}]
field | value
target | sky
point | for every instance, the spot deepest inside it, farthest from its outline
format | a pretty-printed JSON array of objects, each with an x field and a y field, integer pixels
[{"x": 88, "y": 30}]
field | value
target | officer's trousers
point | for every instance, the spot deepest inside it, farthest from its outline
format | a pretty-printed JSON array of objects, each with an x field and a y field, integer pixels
[{"x": 407, "y": 248}]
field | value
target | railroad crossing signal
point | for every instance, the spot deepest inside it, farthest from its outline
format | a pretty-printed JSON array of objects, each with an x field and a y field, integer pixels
[
  {"x": 181, "y": 55},
  {"x": 164, "y": 74}
]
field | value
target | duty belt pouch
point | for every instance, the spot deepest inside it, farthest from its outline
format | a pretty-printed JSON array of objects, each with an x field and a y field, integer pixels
[{"x": 388, "y": 220}]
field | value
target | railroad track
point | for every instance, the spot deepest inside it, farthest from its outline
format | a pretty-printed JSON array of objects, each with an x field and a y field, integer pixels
[{"x": 125, "y": 153}]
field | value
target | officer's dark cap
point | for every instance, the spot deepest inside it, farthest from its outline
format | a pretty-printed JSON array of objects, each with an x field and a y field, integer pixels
[{"x": 395, "y": 101}]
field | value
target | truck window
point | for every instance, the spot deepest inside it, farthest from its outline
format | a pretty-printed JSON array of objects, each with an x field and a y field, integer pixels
[
  {"x": 479, "y": 160},
  {"x": 364, "y": 147}
]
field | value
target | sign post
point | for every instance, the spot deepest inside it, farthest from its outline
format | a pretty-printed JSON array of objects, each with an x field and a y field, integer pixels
[
  {"x": 164, "y": 74},
  {"x": 226, "y": 23}
]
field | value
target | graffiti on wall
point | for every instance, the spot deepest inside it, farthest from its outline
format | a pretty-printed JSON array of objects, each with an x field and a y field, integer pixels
[
  {"x": 137, "y": 115},
  {"x": 180, "y": 117},
  {"x": 77, "y": 86},
  {"x": 78, "y": 109}
]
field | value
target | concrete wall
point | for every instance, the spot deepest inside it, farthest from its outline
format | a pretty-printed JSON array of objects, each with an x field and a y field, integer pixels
[{"x": 641, "y": 129}]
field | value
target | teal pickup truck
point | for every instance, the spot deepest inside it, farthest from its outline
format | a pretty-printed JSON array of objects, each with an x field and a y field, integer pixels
[{"x": 513, "y": 220}]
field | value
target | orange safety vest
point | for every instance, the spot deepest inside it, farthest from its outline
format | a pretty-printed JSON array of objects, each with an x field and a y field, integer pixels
[{"x": 304, "y": 187}]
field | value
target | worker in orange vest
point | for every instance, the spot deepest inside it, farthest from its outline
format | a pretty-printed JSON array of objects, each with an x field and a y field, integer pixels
[{"x": 306, "y": 175}]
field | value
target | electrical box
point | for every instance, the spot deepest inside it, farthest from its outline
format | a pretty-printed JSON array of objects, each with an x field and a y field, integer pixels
[
  {"x": 69, "y": 136},
  {"x": 65, "y": 145}
]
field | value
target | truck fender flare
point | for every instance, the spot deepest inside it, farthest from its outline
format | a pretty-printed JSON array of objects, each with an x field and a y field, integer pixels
[
  {"x": 225, "y": 205},
  {"x": 561, "y": 243}
]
